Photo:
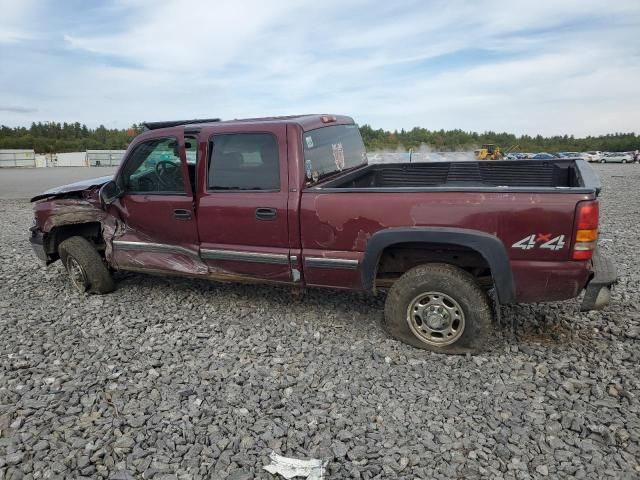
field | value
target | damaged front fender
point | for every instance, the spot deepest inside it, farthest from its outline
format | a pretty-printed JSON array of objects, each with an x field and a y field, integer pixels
[
  {"x": 73, "y": 187},
  {"x": 69, "y": 212},
  {"x": 65, "y": 214}
]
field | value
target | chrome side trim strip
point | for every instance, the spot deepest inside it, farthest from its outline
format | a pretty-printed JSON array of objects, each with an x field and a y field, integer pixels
[
  {"x": 237, "y": 256},
  {"x": 341, "y": 263},
  {"x": 154, "y": 247},
  {"x": 234, "y": 255}
]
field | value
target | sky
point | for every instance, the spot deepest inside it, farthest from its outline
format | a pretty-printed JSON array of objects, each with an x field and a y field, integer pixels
[{"x": 536, "y": 67}]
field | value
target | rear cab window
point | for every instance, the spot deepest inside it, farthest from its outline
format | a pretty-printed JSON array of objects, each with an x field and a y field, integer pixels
[{"x": 330, "y": 150}]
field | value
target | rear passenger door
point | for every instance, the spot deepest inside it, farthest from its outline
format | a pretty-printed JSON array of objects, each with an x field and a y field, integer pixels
[{"x": 242, "y": 209}]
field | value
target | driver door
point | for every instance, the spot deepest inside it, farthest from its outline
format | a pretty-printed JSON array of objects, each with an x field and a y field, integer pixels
[{"x": 159, "y": 232}]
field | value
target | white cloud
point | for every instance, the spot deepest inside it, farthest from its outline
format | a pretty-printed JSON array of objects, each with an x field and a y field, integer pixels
[
  {"x": 186, "y": 37},
  {"x": 544, "y": 66},
  {"x": 15, "y": 20}
]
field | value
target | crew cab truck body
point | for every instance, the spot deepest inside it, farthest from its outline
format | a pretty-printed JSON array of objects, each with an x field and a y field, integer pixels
[{"x": 292, "y": 200}]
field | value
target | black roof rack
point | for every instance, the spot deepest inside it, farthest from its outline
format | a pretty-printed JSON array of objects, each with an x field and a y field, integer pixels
[{"x": 177, "y": 123}]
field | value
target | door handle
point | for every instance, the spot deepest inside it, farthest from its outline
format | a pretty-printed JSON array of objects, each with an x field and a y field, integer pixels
[
  {"x": 263, "y": 213},
  {"x": 182, "y": 214}
]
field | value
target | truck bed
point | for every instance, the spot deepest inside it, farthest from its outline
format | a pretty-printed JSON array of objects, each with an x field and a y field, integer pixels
[
  {"x": 520, "y": 175},
  {"x": 508, "y": 200}
]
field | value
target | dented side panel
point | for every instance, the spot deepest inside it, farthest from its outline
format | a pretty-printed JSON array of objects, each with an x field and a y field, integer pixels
[
  {"x": 345, "y": 221},
  {"x": 340, "y": 224}
]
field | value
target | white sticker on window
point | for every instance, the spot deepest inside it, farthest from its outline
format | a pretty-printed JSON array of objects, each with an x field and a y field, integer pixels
[
  {"x": 338, "y": 155},
  {"x": 309, "y": 141}
]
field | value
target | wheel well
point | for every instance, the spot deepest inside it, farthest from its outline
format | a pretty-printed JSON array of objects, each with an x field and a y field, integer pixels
[
  {"x": 92, "y": 231},
  {"x": 398, "y": 258}
]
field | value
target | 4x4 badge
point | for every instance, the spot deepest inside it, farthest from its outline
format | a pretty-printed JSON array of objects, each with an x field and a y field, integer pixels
[{"x": 531, "y": 241}]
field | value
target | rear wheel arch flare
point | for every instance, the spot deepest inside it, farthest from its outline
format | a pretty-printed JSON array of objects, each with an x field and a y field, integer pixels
[{"x": 488, "y": 246}]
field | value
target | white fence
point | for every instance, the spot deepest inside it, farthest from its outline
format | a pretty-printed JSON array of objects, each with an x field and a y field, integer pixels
[
  {"x": 90, "y": 158},
  {"x": 70, "y": 159},
  {"x": 418, "y": 157},
  {"x": 17, "y": 158},
  {"x": 104, "y": 158}
]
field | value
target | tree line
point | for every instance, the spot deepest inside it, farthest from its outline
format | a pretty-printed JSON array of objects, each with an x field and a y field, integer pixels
[
  {"x": 50, "y": 137},
  {"x": 459, "y": 140},
  {"x": 55, "y": 137}
]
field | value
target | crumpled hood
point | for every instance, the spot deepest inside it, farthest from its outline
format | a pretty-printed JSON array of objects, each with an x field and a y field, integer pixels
[{"x": 74, "y": 187}]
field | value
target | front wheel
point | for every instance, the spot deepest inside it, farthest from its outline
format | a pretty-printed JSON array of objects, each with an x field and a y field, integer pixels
[
  {"x": 85, "y": 266},
  {"x": 603, "y": 161},
  {"x": 439, "y": 307}
]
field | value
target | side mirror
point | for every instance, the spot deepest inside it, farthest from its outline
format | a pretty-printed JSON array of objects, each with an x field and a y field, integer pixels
[{"x": 109, "y": 193}]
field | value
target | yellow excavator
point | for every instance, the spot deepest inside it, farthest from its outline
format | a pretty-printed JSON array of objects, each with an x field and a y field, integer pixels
[{"x": 489, "y": 151}]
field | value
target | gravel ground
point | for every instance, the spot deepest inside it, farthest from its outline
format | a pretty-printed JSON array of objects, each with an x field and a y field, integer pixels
[{"x": 183, "y": 379}]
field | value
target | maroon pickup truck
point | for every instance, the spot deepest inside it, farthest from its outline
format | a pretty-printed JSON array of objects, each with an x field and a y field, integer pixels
[{"x": 292, "y": 200}]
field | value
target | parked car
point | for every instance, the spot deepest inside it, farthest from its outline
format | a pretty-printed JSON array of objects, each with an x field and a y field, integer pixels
[
  {"x": 593, "y": 156},
  {"x": 574, "y": 155},
  {"x": 293, "y": 201},
  {"x": 543, "y": 156},
  {"x": 616, "y": 157}
]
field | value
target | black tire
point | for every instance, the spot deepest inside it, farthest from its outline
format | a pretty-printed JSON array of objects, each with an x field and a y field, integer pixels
[
  {"x": 457, "y": 289},
  {"x": 603, "y": 161},
  {"x": 85, "y": 266}
]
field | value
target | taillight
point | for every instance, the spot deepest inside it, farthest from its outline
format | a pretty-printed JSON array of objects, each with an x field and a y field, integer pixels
[{"x": 586, "y": 230}]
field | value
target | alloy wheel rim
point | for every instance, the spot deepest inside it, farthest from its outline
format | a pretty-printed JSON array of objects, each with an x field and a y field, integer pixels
[
  {"x": 436, "y": 318},
  {"x": 77, "y": 274}
]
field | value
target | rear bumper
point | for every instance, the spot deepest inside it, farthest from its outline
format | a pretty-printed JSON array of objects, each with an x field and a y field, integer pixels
[
  {"x": 598, "y": 291},
  {"x": 37, "y": 243}
]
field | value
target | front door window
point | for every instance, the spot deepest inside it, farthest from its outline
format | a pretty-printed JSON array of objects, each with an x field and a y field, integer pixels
[{"x": 154, "y": 167}]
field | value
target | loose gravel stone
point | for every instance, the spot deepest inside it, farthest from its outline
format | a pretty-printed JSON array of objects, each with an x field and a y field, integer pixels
[
  {"x": 14, "y": 458},
  {"x": 172, "y": 378}
]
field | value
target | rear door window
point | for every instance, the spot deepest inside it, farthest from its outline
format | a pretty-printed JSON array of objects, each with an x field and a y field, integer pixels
[{"x": 244, "y": 161}]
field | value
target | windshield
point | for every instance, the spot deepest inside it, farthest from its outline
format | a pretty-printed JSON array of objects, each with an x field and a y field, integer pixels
[{"x": 329, "y": 150}]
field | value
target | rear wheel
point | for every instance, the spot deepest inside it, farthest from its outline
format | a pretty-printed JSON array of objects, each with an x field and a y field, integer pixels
[
  {"x": 85, "y": 266},
  {"x": 439, "y": 307},
  {"x": 603, "y": 161}
]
